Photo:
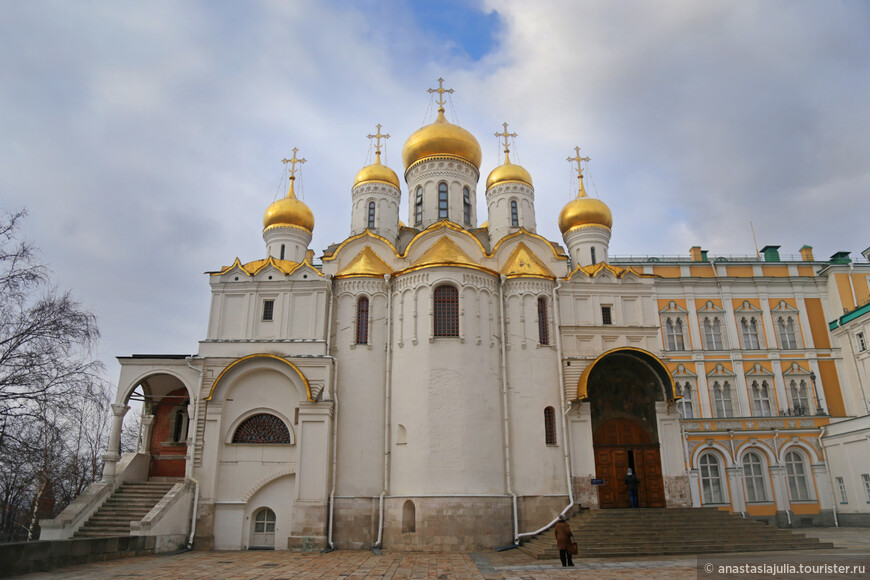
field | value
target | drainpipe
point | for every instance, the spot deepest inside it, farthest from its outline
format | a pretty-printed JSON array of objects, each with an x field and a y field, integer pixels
[
  {"x": 776, "y": 452},
  {"x": 198, "y": 394},
  {"x": 388, "y": 380},
  {"x": 851, "y": 285},
  {"x": 193, "y": 515},
  {"x": 823, "y": 430},
  {"x": 565, "y": 410},
  {"x": 334, "y": 393},
  {"x": 504, "y": 402}
]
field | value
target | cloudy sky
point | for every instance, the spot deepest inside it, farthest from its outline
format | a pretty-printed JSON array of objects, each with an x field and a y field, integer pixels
[{"x": 145, "y": 138}]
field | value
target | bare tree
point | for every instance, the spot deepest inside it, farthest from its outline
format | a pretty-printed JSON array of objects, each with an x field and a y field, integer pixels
[{"x": 54, "y": 407}]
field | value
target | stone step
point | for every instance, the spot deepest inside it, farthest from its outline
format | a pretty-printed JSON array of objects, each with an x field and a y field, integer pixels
[{"x": 623, "y": 532}]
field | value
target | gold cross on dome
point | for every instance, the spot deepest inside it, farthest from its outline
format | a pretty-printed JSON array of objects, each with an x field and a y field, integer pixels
[
  {"x": 578, "y": 159},
  {"x": 505, "y": 135},
  {"x": 440, "y": 90},
  {"x": 377, "y": 137},
  {"x": 293, "y": 161}
]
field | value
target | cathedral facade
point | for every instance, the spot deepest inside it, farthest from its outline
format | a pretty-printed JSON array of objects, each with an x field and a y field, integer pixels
[{"x": 457, "y": 383}]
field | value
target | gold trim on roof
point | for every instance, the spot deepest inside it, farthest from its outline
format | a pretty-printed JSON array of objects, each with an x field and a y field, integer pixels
[
  {"x": 356, "y": 237},
  {"x": 286, "y": 267},
  {"x": 595, "y": 270},
  {"x": 262, "y": 355},
  {"x": 366, "y": 263},
  {"x": 444, "y": 251},
  {"x": 441, "y": 225},
  {"x": 525, "y": 232},
  {"x": 255, "y": 267},
  {"x": 523, "y": 262}
]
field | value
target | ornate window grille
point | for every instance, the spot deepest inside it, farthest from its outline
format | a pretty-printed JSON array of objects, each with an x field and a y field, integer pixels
[
  {"x": 418, "y": 206},
  {"x": 466, "y": 205},
  {"x": 543, "y": 323},
  {"x": 362, "y": 320},
  {"x": 515, "y": 216},
  {"x": 262, "y": 429},
  {"x": 550, "y": 425},
  {"x": 371, "y": 215},
  {"x": 711, "y": 479},
  {"x": 446, "y": 302}
]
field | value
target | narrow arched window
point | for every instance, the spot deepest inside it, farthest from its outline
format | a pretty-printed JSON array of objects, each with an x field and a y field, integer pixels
[
  {"x": 796, "y": 474},
  {"x": 262, "y": 429},
  {"x": 712, "y": 491},
  {"x": 282, "y": 251},
  {"x": 442, "y": 200},
  {"x": 418, "y": 206},
  {"x": 753, "y": 478},
  {"x": 592, "y": 255},
  {"x": 515, "y": 216},
  {"x": 466, "y": 205},
  {"x": 371, "y": 214},
  {"x": 362, "y": 320},
  {"x": 550, "y": 426},
  {"x": 543, "y": 323},
  {"x": 446, "y": 302}
]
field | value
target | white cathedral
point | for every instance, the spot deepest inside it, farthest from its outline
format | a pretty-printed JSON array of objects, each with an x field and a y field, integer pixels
[{"x": 451, "y": 384}]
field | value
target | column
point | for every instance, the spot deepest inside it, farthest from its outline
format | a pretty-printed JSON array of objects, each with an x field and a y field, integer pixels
[
  {"x": 147, "y": 426},
  {"x": 112, "y": 455}
]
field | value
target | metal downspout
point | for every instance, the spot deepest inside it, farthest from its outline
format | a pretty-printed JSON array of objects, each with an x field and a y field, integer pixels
[
  {"x": 334, "y": 393},
  {"x": 823, "y": 430},
  {"x": 565, "y": 411},
  {"x": 387, "y": 396},
  {"x": 192, "y": 450},
  {"x": 504, "y": 402}
]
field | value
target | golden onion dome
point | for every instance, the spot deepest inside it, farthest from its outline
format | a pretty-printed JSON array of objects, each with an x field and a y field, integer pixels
[
  {"x": 441, "y": 138},
  {"x": 508, "y": 172},
  {"x": 289, "y": 211},
  {"x": 584, "y": 210},
  {"x": 377, "y": 172}
]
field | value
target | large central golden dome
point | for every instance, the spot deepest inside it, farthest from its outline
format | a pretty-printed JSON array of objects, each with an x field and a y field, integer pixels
[{"x": 441, "y": 138}]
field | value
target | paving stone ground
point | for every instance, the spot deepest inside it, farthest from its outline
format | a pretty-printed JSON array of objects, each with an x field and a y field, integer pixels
[{"x": 509, "y": 565}]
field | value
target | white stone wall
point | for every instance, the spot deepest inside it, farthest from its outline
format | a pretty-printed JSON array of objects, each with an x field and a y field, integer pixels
[{"x": 386, "y": 198}]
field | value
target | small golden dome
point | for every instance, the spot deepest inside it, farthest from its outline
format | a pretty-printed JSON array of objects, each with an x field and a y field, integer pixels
[
  {"x": 485, "y": 224},
  {"x": 584, "y": 210},
  {"x": 377, "y": 172},
  {"x": 441, "y": 138},
  {"x": 508, "y": 172},
  {"x": 289, "y": 211}
]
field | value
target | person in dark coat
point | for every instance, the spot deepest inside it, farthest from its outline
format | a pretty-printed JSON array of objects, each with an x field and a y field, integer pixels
[
  {"x": 564, "y": 538},
  {"x": 631, "y": 482}
]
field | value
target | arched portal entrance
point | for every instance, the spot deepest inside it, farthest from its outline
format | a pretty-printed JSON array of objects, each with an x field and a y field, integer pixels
[{"x": 622, "y": 388}]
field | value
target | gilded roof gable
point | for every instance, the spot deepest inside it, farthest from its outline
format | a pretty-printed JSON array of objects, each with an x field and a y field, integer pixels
[
  {"x": 367, "y": 263},
  {"x": 524, "y": 262}
]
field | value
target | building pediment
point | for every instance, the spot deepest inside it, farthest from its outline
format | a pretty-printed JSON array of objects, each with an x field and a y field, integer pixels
[
  {"x": 366, "y": 264},
  {"x": 758, "y": 371},
  {"x": 720, "y": 371},
  {"x": 524, "y": 262}
]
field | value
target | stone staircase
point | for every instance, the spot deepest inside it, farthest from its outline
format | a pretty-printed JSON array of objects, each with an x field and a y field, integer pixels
[
  {"x": 130, "y": 502},
  {"x": 655, "y": 532}
]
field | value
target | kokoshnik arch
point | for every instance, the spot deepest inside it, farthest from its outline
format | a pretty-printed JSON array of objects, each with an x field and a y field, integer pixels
[{"x": 449, "y": 382}]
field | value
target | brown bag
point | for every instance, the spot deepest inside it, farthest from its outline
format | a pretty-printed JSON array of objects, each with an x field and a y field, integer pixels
[{"x": 572, "y": 548}]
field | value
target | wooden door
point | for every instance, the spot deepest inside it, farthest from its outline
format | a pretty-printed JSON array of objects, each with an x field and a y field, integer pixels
[{"x": 620, "y": 444}]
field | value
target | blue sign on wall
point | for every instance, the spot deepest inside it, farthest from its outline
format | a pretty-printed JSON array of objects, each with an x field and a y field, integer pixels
[{"x": 597, "y": 482}]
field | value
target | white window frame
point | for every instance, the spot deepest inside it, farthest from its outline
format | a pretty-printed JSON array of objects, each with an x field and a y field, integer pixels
[
  {"x": 713, "y": 490},
  {"x": 865, "y": 479},
  {"x": 800, "y": 488},
  {"x": 799, "y": 394},
  {"x": 760, "y": 391},
  {"x": 686, "y": 390},
  {"x": 841, "y": 488},
  {"x": 723, "y": 399},
  {"x": 754, "y": 480}
]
